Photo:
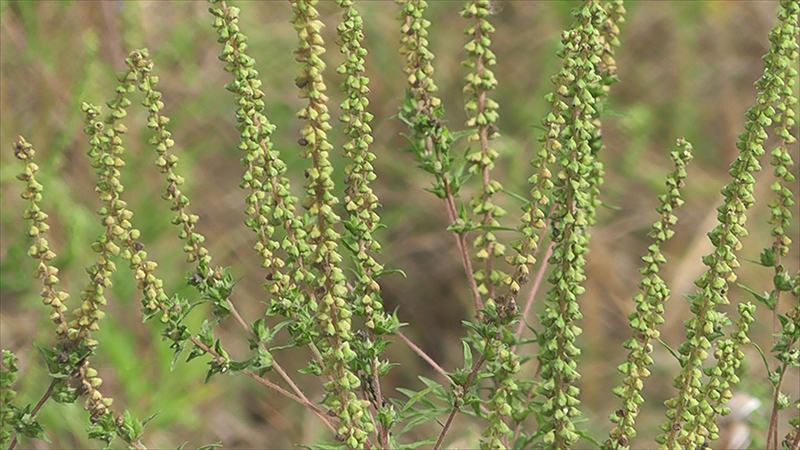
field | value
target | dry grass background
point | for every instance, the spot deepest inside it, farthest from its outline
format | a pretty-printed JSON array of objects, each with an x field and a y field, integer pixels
[{"x": 687, "y": 69}]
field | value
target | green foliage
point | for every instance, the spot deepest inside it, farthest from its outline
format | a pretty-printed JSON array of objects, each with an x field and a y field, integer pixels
[{"x": 333, "y": 309}]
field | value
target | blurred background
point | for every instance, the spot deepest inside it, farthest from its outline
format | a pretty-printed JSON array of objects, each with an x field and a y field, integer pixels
[{"x": 686, "y": 69}]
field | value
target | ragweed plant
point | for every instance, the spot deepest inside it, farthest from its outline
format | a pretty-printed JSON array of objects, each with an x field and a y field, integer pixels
[{"x": 320, "y": 252}]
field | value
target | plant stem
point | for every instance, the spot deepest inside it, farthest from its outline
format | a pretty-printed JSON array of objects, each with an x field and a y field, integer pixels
[
  {"x": 452, "y": 415},
  {"x": 529, "y": 302},
  {"x": 271, "y": 385},
  {"x": 424, "y": 355},
  {"x": 36, "y": 408}
]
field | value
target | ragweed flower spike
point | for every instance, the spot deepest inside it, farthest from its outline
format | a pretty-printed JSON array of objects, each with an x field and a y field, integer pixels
[
  {"x": 71, "y": 357},
  {"x": 502, "y": 363},
  {"x": 333, "y": 314},
  {"x": 690, "y": 413},
  {"x": 269, "y": 200},
  {"x": 40, "y": 250},
  {"x": 139, "y": 75},
  {"x": 430, "y": 139},
  {"x": 782, "y": 115},
  {"x": 362, "y": 220},
  {"x": 571, "y": 218},
  {"x": 649, "y": 313},
  {"x": 483, "y": 116},
  {"x": 360, "y": 201}
]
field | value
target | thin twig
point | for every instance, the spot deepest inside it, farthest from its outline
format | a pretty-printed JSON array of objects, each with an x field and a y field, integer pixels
[
  {"x": 270, "y": 385},
  {"x": 527, "y": 402},
  {"x": 534, "y": 289},
  {"x": 462, "y": 248},
  {"x": 452, "y": 415},
  {"x": 424, "y": 356},
  {"x": 383, "y": 438},
  {"x": 772, "y": 432},
  {"x": 452, "y": 214},
  {"x": 36, "y": 408},
  {"x": 275, "y": 364}
]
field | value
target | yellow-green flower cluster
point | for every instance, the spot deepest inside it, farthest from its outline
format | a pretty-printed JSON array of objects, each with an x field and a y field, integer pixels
[
  {"x": 722, "y": 376},
  {"x": 503, "y": 364},
  {"x": 105, "y": 141},
  {"x": 689, "y": 415},
  {"x": 607, "y": 70},
  {"x": 155, "y": 301},
  {"x": 270, "y": 202},
  {"x": 72, "y": 356},
  {"x": 423, "y": 112},
  {"x": 9, "y": 367},
  {"x": 419, "y": 60},
  {"x": 333, "y": 314},
  {"x": 782, "y": 116},
  {"x": 141, "y": 65},
  {"x": 609, "y": 32},
  {"x": 649, "y": 308},
  {"x": 483, "y": 116},
  {"x": 570, "y": 219},
  {"x": 40, "y": 249},
  {"x": 360, "y": 201}
]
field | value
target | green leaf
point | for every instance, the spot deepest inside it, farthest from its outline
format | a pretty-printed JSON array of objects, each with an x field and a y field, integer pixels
[
  {"x": 516, "y": 196},
  {"x": 456, "y": 135},
  {"x": 495, "y": 228},
  {"x": 586, "y": 437},
  {"x": 178, "y": 351},
  {"x": 767, "y": 257},
  {"x": 763, "y": 359},
  {"x": 413, "y": 397},
  {"x": 418, "y": 444},
  {"x": 467, "y": 354},
  {"x": 385, "y": 272},
  {"x": 424, "y": 416},
  {"x": 768, "y": 299},
  {"x": 611, "y": 207},
  {"x": 670, "y": 350}
]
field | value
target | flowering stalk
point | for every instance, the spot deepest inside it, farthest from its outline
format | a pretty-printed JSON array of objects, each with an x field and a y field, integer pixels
[
  {"x": 607, "y": 70},
  {"x": 690, "y": 416},
  {"x": 430, "y": 139},
  {"x": 783, "y": 55},
  {"x": 570, "y": 221},
  {"x": 40, "y": 250},
  {"x": 70, "y": 360},
  {"x": 362, "y": 220},
  {"x": 649, "y": 312},
  {"x": 360, "y": 200},
  {"x": 333, "y": 314},
  {"x": 482, "y": 123},
  {"x": 722, "y": 375},
  {"x": 500, "y": 361}
]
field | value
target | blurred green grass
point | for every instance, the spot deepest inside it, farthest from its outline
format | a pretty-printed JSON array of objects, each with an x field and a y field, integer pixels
[{"x": 687, "y": 69}]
